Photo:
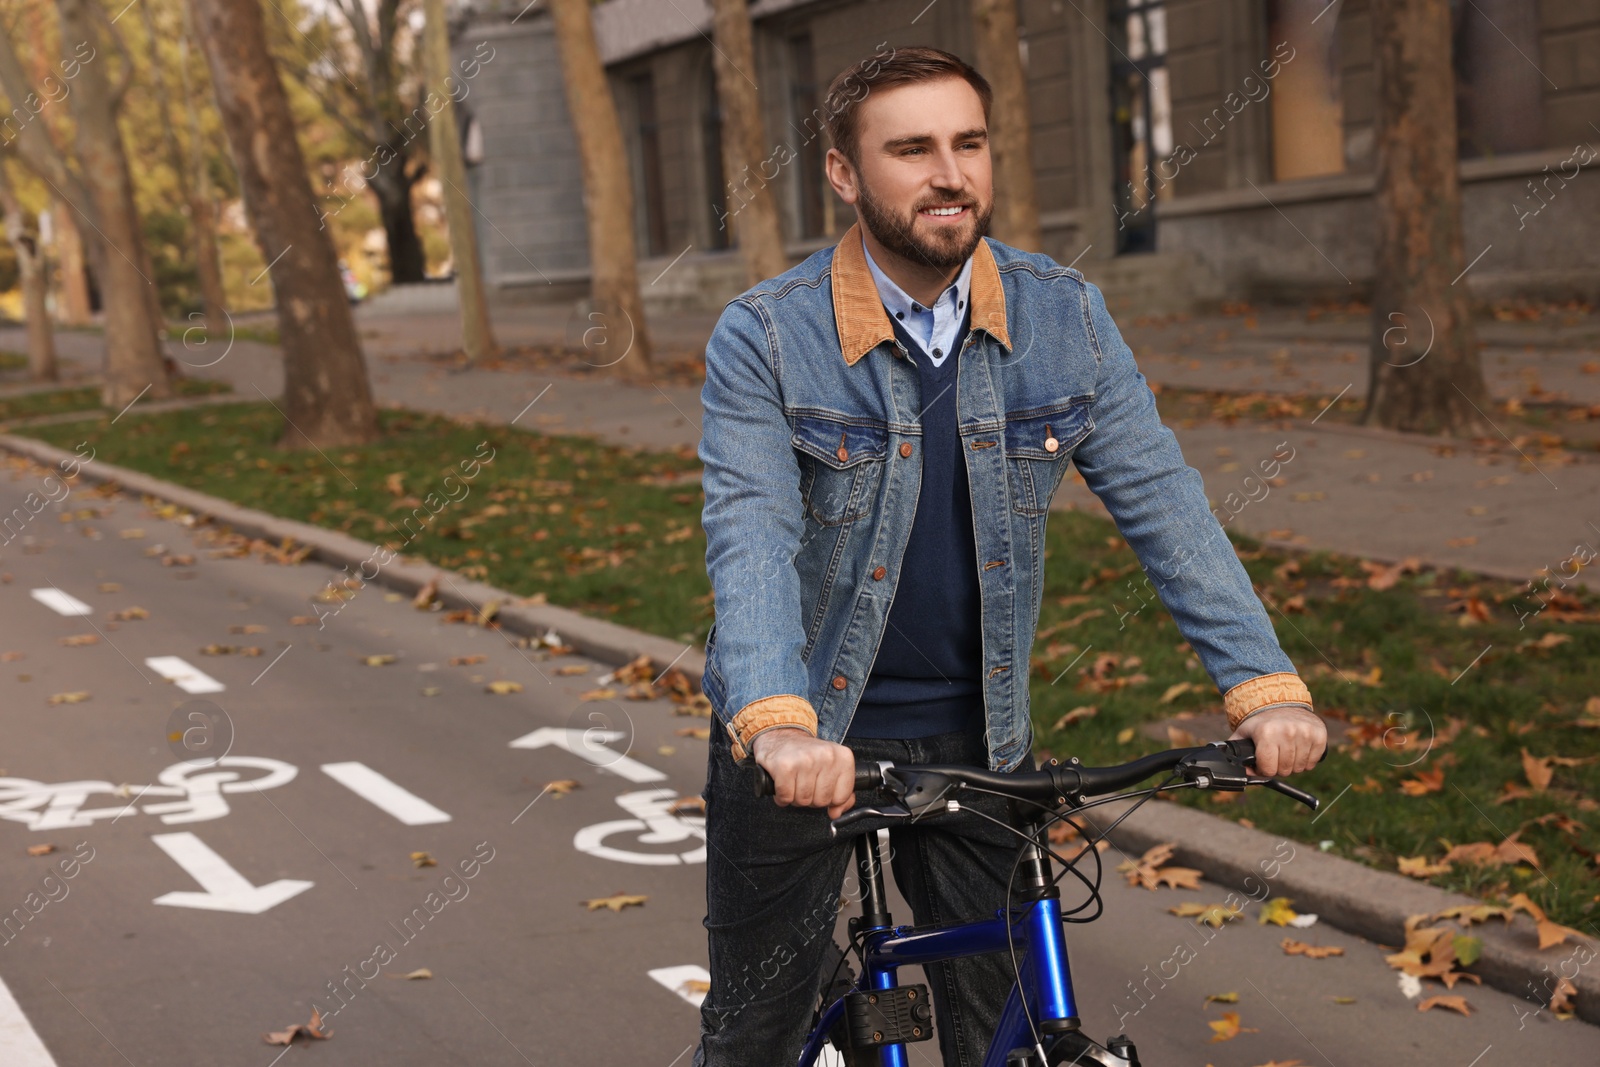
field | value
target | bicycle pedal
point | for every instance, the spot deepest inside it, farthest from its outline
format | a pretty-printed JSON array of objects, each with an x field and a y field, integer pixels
[{"x": 894, "y": 1016}]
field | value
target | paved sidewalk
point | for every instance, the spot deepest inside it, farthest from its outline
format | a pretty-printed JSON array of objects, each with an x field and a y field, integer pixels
[{"x": 1506, "y": 511}]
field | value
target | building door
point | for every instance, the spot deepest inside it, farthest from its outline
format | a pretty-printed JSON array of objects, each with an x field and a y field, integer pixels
[{"x": 1141, "y": 117}]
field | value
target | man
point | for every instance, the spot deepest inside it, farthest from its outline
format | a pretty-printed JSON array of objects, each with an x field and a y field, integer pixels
[{"x": 885, "y": 425}]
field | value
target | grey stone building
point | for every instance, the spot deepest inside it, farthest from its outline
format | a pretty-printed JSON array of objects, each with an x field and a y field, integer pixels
[{"x": 1185, "y": 150}]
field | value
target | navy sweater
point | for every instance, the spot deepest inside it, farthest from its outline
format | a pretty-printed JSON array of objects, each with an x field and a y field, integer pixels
[{"x": 928, "y": 675}]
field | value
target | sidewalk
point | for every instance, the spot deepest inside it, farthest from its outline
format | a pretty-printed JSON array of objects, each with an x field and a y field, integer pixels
[{"x": 1504, "y": 511}]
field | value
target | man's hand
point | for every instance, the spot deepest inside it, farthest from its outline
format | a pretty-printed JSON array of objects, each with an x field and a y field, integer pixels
[
  {"x": 1288, "y": 740},
  {"x": 808, "y": 771}
]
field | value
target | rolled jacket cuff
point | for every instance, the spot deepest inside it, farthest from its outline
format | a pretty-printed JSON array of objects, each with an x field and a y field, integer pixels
[
  {"x": 767, "y": 713},
  {"x": 1264, "y": 691}
]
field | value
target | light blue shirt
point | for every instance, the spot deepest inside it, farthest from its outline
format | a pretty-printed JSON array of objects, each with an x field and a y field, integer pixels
[{"x": 935, "y": 329}]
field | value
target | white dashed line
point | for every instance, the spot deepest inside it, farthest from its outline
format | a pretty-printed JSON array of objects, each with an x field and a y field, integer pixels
[
  {"x": 677, "y": 979},
  {"x": 61, "y": 603},
  {"x": 19, "y": 1043},
  {"x": 186, "y": 676},
  {"x": 379, "y": 791}
]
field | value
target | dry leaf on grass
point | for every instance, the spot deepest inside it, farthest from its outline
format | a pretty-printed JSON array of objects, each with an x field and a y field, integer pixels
[
  {"x": 1078, "y": 714},
  {"x": 313, "y": 1029},
  {"x": 1175, "y": 691},
  {"x": 1291, "y": 947},
  {"x": 1538, "y": 770},
  {"x": 1227, "y": 1028},
  {"x": 1424, "y": 783},
  {"x": 1453, "y": 1003},
  {"x": 1550, "y": 933},
  {"x": 616, "y": 901},
  {"x": 1148, "y": 871},
  {"x": 1419, "y": 867}
]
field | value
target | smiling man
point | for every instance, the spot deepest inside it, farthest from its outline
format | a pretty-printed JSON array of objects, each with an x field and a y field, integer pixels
[{"x": 885, "y": 427}]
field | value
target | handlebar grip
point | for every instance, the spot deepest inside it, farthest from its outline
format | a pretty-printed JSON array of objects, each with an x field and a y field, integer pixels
[{"x": 868, "y": 776}]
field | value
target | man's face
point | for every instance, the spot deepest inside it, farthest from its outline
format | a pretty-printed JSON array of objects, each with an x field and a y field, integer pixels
[{"x": 923, "y": 151}]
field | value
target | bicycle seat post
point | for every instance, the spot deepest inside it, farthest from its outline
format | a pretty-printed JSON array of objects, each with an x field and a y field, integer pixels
[{"x": 869, "y": 873}]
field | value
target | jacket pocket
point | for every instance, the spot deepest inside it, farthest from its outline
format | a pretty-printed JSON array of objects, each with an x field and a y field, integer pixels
[
  {"x": 1038, "y": 443},
  {"x": 840, "y": 465}
]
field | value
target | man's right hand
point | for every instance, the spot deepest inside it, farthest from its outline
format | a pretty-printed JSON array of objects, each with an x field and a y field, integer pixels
[{"x": 807, "y": 771}]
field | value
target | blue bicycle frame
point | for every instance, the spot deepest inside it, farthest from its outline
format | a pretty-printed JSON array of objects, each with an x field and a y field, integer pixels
[{"x": 1043, "y": 996}]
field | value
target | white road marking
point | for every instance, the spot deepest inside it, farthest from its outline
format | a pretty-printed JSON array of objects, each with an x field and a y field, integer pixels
[
  {"x": 677, "y": 979},
  {"x": 19, "y": 1043},
  {"x": 187, "y": 676},
  {"x": 379, "y": 791},
  {"x": 61, "y": 603},
  {"x": 590, "y": 745},
  {"x": 653, "y": 824},
  {"x": 225, "y": 889}
]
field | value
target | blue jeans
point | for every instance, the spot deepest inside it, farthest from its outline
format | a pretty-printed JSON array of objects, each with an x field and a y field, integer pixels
[{"x": 773, "y": 894}]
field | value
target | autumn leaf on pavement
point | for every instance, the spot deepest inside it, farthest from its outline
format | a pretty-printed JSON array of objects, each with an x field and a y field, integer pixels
[
  {"x": 602, "y": 693},
  {"x": 1148, "y": 871},
  {"x": 502, "y": 687},
  {"x": 1277, "y": 911},
  {"x": 1431, "y": 952},
  {"x": 561, "y": 787},
  {"x": 1453, "y": 1003},
  {"x": 313, "y": 1029},
  {"x": 423, "y": 859},
  {"x": 1561, "y": 999},
  {"x": 1222, "y": 998},
  {"x": 1283, "y": 1063},
  {"x": 420, "y": 972},
  {"x": 1291, "y": 947},
  {"x": 40, "y": 850},
  {"x": 379, "y": 660},
  {"x": 425, "y": 596},
  {"x": 1424, "y": 783},
  {"x": 616, "y": 902},
  {"x": 1227, "y": 1028},
  {"x": 1212, "y": 914},
  {"x": 1550, "y": 933},
  {"x": 75, "y": 697},
  {"x": 1467, "y": 914}
]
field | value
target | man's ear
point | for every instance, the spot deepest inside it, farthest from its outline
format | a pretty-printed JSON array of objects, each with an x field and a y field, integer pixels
[{"x": 841, "y": 175}]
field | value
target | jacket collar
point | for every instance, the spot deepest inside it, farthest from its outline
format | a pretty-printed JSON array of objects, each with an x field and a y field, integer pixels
[{"x": 858, "y": 309}]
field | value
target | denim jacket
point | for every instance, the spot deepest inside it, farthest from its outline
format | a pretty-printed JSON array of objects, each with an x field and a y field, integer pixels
[{"x": 812, "y": 453}]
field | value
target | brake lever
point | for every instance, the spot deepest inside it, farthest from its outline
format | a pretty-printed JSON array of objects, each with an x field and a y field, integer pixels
[
  {"x": 1293, "y": 793},
  {"x": 855, "y": 815}
]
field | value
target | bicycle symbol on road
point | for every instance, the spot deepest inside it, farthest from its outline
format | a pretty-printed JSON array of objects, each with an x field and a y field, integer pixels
[
  {"x": 654, "y": 823},
  {"x": 199, "y": 783}
]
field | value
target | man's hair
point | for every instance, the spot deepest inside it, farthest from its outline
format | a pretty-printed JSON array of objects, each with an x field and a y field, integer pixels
[{"x": 904, "y": 66}]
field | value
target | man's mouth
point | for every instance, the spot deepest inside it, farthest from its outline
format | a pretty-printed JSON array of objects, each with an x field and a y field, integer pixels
[{"x": 945, "y": 211}]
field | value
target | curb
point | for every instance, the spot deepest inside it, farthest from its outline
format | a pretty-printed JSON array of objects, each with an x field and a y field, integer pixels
[
  {"x": 1369, "y": 903},
  {"x": 604, "y": 641},
  {"x": 1360, "y": 900}
]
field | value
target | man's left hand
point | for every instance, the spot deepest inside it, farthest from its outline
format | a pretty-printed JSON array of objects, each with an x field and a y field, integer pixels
[{"x": 1288, "y": 740}]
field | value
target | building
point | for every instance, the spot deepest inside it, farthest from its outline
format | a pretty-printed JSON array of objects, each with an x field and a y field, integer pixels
[{"x": 1185, "y": 150}]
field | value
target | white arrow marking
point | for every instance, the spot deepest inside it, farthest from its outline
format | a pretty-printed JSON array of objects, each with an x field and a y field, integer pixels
[
  {"x": 19, "y": 1043},
  {"x": 61, "y": 603},
  {"x": 186, "y": 676},
  {"x": 379, "y": 791},
  {"x": 677, "y": 979},
  {"x": 225, "y": 888},
  {"x": 591, "y": 745}
]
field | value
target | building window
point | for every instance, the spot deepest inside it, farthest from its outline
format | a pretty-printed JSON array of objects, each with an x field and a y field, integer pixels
[
  {"x": 1141, "y": 117},
  {"x": 1499, "y": 90},
  {"x": 651, "y": 210},
  {"x": 1307, "y": 98},
  {"x": 803, "y": 108},
  {"x": 718, "y": 229}
]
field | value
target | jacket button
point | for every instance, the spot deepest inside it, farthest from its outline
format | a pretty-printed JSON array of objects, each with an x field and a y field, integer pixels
[
  {"x": 877, "y": 575},
  {"x": 1050, "y": 445},
  {"x": 839, "y": 682},
  {"x": 905, "y": 448},
  {"x": 843, "y": 453}
]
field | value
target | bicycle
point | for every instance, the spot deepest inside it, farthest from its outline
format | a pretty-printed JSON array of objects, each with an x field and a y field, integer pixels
[{"x": 871, "y": 1019}]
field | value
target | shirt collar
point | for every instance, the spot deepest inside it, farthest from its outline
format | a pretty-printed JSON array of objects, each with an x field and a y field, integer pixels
[{"x": 896, "y": 299}]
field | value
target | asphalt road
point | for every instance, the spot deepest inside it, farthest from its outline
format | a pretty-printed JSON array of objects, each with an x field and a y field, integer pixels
[{"x": 202, "y": 912}]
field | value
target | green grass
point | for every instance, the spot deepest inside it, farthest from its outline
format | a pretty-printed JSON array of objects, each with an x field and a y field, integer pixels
[
  {"x": 10, "y": 360},
  {"x": 87, "y": 398},
  {"x": 591, "y": 527}
]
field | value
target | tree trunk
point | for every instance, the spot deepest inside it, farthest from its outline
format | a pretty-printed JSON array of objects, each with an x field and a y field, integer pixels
[
  {"x": 619, "y": 339},
  {"x": 754, "y": 220},
  {"x": 72, "y": 285},
  {"x": 477, "y": 335},
  {"x": 1016, "y": 203},
  {"x": 135, "y": 363},
  {"x": 391, "y": 185},
  {"x": 31, "y": 267},
  {"x": 1425, "y": 372},
  {"x": 326, "y": 393}
]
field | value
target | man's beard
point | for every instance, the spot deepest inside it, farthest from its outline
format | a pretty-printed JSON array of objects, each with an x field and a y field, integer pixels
[{"x": 942, "y": 251}]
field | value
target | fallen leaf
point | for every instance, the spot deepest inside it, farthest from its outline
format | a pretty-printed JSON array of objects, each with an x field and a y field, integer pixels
[
  {"x": 423, "y": 859},
  {"x": 1227, "y": 1028},
  {"x": 1222, "y": 998},
  {"x": 1291, "y": 947},
  {"x": 1213, "y": 915},
  {"x": 1078, "y": 714},
  {"x": 1453, "y": 1003},
  {"x": 467, "y": 661},
  {"x": 247, "y": 628},
  {"x": 1424, "y": 783},
  {"x": 1467, "y": 914},
  {"x": 573, "y": 668},
  {"x": 1178, "y": 737},
  {"x": 1126, "y": 735},
  {"x": 1561, "y": 999},
  {"x": 382, "y": 660},
  {"x": 420, "y": 972},
  {"x": 217, "y": 650},
  {"x": 687, "y": 806},
  {"x": 76, "y": 697},
  {"x": 1467, "y": 949},
  {"x": 603, "y": 693},
  {"x": 303, "y": 620},
  {"x": 425, "y": 596},
  {"x": 616, "y": 902},
  {"x": 1419, "y": 867},
  {"x": 1175, "y": 691},
  {"x": 40, "y": 850},
  {"x": 313, "y": 1029},
  {"x": 502, "y": 687},
  {"x": 1277, "y": 911},
  {"x": 1149, "y": 872},
  {"x": 699, "y": 733},
  {"x": 79, "y": 640},
  {"x": 561, "y": 787},
  {"x": 1538, "y": 771},
  {"x": 1346, "y": 1000}
]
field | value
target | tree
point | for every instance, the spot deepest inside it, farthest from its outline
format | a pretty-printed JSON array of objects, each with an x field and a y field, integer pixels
[
  {"x": 1425, "y": 371},
  {"x": 477, "y": 334},
  {"x": 24, "y": 241},
  {"x": 1016, "y": 206},
  {"x": 618, "y": 311},
  {"x": 327, "y": 396},
  {"x": 383, "y": 123},
  {"x": 754, "y": 219}
]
